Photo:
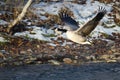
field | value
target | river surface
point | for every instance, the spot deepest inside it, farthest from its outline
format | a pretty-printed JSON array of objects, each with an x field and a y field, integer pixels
[{"x": 99, "y": 71}]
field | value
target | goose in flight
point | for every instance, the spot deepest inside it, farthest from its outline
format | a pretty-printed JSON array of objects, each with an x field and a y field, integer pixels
[{"x": 78, "y": 34}]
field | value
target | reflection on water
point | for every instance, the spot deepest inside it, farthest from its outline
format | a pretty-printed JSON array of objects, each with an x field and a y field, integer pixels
[{"x": 101, "y": 71}]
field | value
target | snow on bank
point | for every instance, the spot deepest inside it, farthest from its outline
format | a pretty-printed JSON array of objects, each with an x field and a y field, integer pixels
[
  {"x": 37, "y": 33},
  {"x": 82, "y": 14},
  {"x": 2, "y": 22},
  {"x": 2, "y": 39},
  {"x": 101, "y": 29}
]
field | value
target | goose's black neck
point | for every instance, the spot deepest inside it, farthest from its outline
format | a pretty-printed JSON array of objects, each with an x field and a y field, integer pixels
[{"x": 63, "y": 30}]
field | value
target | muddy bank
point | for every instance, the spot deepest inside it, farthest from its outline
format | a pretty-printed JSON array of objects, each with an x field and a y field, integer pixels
[{"x": 22, "y": 51}]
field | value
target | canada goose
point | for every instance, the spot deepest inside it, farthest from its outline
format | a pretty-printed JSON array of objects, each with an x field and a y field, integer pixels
[{"x": 79, "y": 35}]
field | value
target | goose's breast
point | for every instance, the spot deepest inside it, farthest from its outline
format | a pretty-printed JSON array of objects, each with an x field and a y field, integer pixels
[{"x": 75, "y": 37}]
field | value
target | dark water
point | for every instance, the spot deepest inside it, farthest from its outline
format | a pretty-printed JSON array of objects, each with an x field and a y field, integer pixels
[{"x": 101, "y": 71}]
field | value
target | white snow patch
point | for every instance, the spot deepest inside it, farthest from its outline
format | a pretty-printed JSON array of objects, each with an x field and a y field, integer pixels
[
  {"x": 37, "y": 33},
  {"x": 2, "y": 22},
  {"x": 43, "y": 8},
  {"x": 2, "y": 39},
  {"x": 101, "y": 29},
  {"x": 52, "y": 44}
]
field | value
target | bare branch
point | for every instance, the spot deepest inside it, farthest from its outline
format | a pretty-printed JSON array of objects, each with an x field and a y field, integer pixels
[{"x": 20, "y": 16}]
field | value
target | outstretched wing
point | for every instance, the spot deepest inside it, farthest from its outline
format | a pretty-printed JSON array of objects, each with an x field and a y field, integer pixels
[
  {"x": 69, "y": 22},
  {"x": 91, "y": 25}
]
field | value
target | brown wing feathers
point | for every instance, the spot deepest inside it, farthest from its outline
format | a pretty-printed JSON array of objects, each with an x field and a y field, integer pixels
[{"x": 91, "y": 25}]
